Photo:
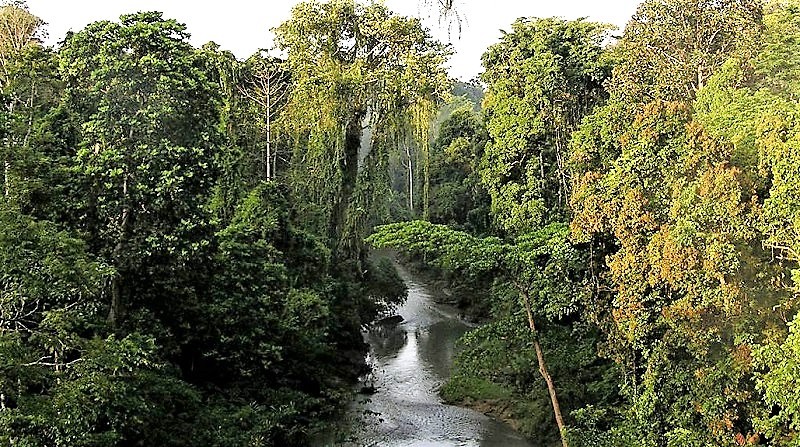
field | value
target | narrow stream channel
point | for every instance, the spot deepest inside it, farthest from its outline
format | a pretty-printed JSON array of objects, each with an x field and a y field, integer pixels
[{"x": 410, "y": 362}]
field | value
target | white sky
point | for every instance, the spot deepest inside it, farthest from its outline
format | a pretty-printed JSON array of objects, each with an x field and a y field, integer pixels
[{"x": 242, "y": 26}]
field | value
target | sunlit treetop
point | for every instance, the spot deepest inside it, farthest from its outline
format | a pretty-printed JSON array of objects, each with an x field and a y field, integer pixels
[{"x": 18, "y": 29}]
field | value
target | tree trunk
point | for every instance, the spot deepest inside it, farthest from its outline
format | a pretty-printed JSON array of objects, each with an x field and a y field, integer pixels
[
  {"x": 426, "y": 188},
  {"x": 348, "y": 167},
  {"x": 7, "y": 162},
  {"x": 551, "y": 388},
  {"x": 410, "y": 179},
  {"x": 563, "y": 181},
  {"x": 116, "y": 308},
  {"x": 116, "y": 301},
  {"x": 269, "y": 129},
  {"x": 6, "y": 177}
]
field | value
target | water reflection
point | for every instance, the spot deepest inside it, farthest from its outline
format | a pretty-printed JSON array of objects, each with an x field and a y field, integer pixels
[
  {"x": 410, "y": 362},
  {"x": 386, "y": 341}
]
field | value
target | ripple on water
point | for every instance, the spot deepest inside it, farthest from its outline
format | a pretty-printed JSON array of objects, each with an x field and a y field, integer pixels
[{"x": 410, "y": 363}]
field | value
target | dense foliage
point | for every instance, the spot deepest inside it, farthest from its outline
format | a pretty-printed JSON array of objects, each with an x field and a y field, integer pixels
[
  {"x": 184, "y": 236},
  {"x": 160, "y": 280},
  {"x": 667, "y": 312}
]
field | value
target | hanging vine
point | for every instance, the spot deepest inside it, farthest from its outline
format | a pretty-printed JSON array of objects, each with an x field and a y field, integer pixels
[
  {"x": 362, "y": 77},
  {"x": 422, "y": 114}
]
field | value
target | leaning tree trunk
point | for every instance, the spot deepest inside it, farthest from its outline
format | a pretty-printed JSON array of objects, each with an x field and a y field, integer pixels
[{"x": 551, "y": 388}]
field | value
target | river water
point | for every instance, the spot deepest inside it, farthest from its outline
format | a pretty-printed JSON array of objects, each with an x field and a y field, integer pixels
[{"x": 410, "y": 362}]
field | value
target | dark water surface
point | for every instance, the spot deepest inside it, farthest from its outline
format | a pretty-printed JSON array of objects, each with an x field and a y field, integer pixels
[{"x": 410, "y": 362}]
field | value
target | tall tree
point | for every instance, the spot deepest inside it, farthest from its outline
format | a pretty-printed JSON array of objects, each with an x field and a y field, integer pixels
[
  {"x": 22, "y": 62},
  {"x": 18, "y": 30},
  {"x": 148, "y": 116},
  {"x": 542, "y": 78},
  {"x": 354, "y": 66},
  {"x": 267, "y": 86},
  {"x": 671, "y": 47}
]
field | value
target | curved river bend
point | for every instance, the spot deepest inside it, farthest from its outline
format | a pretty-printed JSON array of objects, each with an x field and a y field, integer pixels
[{"x": 410, "y": 362}]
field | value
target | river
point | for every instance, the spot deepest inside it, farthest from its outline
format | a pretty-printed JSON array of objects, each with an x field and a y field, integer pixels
[{"x": 410, "y": 362}]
